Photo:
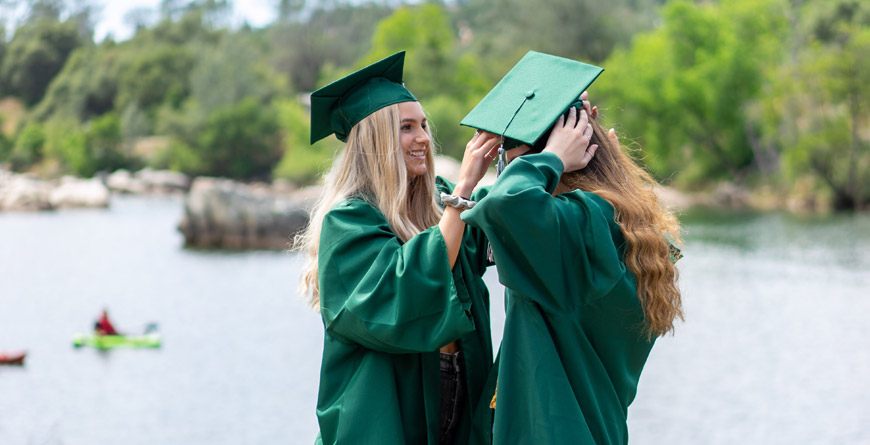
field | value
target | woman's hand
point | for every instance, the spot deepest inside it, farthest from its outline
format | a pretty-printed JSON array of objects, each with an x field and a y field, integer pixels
[
  {"x": 590, "y": 110},
  {"x": 478, "y": 156},
  {"x": 569, "y": 140},
  {"x": 480, "y": 151}
]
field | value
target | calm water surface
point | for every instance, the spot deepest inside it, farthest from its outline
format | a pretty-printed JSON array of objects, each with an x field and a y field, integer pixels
[{"x": 775, "y": 348}]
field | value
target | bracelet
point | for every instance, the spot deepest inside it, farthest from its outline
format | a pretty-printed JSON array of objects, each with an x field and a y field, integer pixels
[{"x": 457, "y": 201}]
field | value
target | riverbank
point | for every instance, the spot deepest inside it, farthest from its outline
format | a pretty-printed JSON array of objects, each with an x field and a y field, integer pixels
[
  {"x": 221, "y": 213},
  {"x": 23, "y": 192}
]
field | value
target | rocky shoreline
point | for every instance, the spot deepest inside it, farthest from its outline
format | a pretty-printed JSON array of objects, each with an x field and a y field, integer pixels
[
  {"x": 27, "y": 193},
  {"x": 218, "y": 213},
  {"x": 221, "y": 213},
  {"x": 225, "y": 214}
]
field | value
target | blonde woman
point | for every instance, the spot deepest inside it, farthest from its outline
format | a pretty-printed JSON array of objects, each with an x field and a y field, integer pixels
[
  {"x": 396, "y": 277},
  {"x": 581, "y": 245}
]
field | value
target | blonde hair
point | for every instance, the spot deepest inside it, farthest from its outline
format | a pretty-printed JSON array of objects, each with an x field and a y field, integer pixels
[
  {"x": 372, "y": 167},
  {"x": 645, "y": 223}
]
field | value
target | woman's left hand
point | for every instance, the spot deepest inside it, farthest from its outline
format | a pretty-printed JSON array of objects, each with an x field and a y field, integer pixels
[
  {"x": 570, "y": 139},
  {"x": 480, "y": 151}
]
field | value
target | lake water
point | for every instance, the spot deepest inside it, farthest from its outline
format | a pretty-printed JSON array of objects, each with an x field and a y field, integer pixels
[{"x": 775, "y": 348}]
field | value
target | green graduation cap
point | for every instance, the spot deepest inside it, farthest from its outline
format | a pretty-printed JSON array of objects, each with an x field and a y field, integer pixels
[
  {"x": 337, "y": 107},
  {"x": 525, "y": 104}
]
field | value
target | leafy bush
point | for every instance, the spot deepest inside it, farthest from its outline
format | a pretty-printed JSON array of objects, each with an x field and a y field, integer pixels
[
  {"x": 5, "y": 148},
  {"x": 37, "y": 52},
  {"x": 240, "y": 141},
  {"x": 302, "y": 163},
  {"x": 65, "y": 141},
  {"x": 29, "y": 146},
  {"x": 106, "y": 147},
  {"x": 445, "y": 114}
]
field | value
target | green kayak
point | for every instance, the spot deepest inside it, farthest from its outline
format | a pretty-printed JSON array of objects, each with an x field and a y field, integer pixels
[{"x": 117, "y": 341}]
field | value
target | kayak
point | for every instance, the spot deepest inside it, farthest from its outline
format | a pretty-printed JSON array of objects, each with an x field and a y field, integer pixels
[
  {"x": 117, "y": 341},
  {"x": 12, "y": 358}
]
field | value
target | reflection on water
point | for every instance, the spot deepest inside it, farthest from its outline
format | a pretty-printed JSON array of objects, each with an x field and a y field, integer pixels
[{"x": 774, "y": 349}]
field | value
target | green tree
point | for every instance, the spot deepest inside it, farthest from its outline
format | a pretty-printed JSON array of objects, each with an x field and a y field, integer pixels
[
  {"x": 818, "y": 107},
  {"x": 65, "y": 143},
  {"x": 333, "y": 36},
  {"x": 431, "y": 61},
  {"x": 232, "y": 70},
  {"x": 3, "y": 87},
  {"x": 683, "y": 90},
  {"x": 105, "y": 146},
  {"x": 154, "y": 76},
  {"x": 86, "y": 87},
  {"x": 29, "y": 147},
  {"x": 447, "y": 81},
  {"x": 504, "y": 30},
  {"x": 37, "y": 52},
  {"x": 301, "y": 163},
  {"x": 5, "y": 147},
  {"x": 240, "y": 141}
]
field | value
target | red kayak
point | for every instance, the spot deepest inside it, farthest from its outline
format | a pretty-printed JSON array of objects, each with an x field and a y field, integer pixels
[{"x": 12, "y": 358}]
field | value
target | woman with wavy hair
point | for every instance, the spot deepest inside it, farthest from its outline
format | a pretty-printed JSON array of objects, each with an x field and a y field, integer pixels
[
  {"x": 396, "y": 277},
  {"x": 581, "y": 246}
]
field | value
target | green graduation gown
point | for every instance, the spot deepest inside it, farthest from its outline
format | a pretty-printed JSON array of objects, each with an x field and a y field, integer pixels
[
  {"x": 387, "y": 308},
  {"x": 573, "y": 347}
]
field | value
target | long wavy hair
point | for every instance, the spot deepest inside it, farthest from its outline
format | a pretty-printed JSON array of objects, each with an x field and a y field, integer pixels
[
  {"x": 372, "y": 167},
  {"x": 646, "y": 225}
]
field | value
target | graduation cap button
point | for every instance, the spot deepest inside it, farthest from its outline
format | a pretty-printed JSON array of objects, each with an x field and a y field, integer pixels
[{"x": 530, "y": 94}]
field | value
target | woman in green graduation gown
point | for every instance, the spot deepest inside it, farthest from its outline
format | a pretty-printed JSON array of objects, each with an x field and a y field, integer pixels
[
  {"x": 588, "y": 271},
  {"x": 397, "y": 279}
]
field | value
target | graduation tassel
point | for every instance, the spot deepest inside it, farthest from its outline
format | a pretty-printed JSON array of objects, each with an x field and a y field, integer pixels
[
  {"x": 498, "y": 169},
  {"x": 501, "y": 159},
  {"x": 502, "y": 162}
]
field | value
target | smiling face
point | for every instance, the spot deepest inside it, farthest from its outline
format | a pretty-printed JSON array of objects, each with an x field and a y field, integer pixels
[{"x": 414, "y": 133}]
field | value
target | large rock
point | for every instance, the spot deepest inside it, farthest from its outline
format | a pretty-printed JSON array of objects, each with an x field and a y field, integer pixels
[
  {"x": 75, "y": 192},
  {"x": 163, "y": 181},
  {"x": 220, "y": 213},
  {"x": 148, "y": 181},
  {"x": 23, "y": 193},
  {"x": 122, "y": 181}
]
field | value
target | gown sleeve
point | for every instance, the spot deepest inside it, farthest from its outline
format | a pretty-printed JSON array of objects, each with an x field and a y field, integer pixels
[
  {"x": 549, "y": 249},
  {"x": 385, "y": 295},
  {"x": 474, "y": 242}
]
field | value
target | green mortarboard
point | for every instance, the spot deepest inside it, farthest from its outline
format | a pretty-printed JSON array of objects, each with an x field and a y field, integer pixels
[
  {"x": 337, "y": 107},
  {"x": 532, "y": 95}
]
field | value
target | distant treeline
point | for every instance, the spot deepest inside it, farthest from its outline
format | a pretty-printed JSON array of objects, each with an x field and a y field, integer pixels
[{"x": 767, "y": 93}]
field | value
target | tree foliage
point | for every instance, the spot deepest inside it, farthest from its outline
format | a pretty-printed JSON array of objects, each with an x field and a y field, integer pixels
[
  {"x": 301, "y": 163},
  {"x": 504, "y": 30},
  {"x": 751, "y": 91},
  {"x": 333, "y": 36},
  {"x": 683, "y": 90},
  {"x": 240, "y": 141},
  {"x": 37, "y": 52},
  {"x": 817, "y": 113}
]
